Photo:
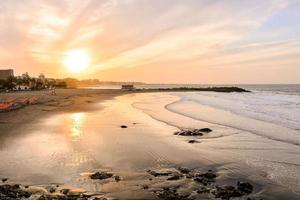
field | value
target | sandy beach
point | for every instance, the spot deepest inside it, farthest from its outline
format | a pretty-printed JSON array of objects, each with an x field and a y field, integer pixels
[
  {"x": 149, "y": 100},
  {"x": 89, "y": 144},
  {"x": 65, "y": 100}
]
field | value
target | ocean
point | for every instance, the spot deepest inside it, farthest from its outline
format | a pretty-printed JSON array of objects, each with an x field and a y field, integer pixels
[
  {"x": 262, "y": 128},
  {"x": 278, "y": 104}
]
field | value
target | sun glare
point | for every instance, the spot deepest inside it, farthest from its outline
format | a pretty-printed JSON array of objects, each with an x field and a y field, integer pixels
[{"x": 77, "y": 60}]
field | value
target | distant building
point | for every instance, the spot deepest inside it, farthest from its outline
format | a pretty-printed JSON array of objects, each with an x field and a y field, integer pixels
[
  {"x": 21, "y": 88},
  {"x": 42, "y": 78},
  {"x": 128, "y": 87},
  {"x": 6, "y": 74}
]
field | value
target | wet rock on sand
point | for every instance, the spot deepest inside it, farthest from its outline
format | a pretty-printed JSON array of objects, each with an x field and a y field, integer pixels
[
  {"x": 193, "y": 184},
  {"x": 171, "y": 175},
  {"x": 170, "y": 194},
  {"x": 174, "y": 177},
  {"x": 193, "y": 141},
  {"x": 206, "y": 178},
  {"x": 4, "y": 180},
  {"x": 124, "y": 126},
  {"x": 205, "y": 130},
  {"x": 159, "y": 173},
  {"x": 52, "y": 190},
  {"x": 101, "y": 175},
  {"x": 117, "y": 178},
  {"x": 245, "y": 187},
  {"x": 13, "y": 192},
  {"x": 194, "y": 132},
  {"x": 20, "y": 192},
  {"x": 227, "y": 192},
  {"x": 184, "y": 170}
]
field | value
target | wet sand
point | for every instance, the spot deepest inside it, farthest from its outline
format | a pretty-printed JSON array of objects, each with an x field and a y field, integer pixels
[{"x": 58, "y": 143}]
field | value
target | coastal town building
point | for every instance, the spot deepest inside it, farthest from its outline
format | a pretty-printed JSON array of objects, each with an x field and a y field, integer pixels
[
  {"x": 21, "y": 88},
  {"x": 42, "y": 78},
  {"x": 6, "y": 74}
]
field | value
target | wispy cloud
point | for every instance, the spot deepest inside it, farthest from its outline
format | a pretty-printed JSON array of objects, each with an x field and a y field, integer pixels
[{"x": 138, "y": 34}]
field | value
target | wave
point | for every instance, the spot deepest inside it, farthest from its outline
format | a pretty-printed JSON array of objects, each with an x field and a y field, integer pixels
[{"x": 236, "y": 111}]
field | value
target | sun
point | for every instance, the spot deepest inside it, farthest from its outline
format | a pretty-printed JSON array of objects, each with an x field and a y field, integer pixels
[{"x": 77, "y": 60}]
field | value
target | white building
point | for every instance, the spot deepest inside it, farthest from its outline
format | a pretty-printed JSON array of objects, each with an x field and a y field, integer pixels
[{"x": 21, "y": 88}]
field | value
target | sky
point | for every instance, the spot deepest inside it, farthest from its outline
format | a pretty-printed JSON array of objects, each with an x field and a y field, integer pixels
[{"x": 155, "y": 41}]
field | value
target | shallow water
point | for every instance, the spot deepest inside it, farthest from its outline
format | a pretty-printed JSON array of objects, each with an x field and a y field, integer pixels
[
  {"x": 269, "y": 147},
  {"x": 59, "y": 148}
]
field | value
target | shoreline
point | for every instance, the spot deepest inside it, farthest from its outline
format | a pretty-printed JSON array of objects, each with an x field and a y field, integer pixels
[
  {"x": 66, "y": 100},
  {"x": 70, "y": 100},
  {"x": 90, "y": 100}
]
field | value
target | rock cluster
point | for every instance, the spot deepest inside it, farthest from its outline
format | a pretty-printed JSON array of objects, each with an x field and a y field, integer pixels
[
  {"x": 194, "y": 132},
  {"x": 227, "y": 192},
  {"x": 193, "y": 141},
  {"x": 20, "y": 192},
  {"x": 159, "y": 173},
  {"x": 205, "y": 178},
  {"x": 207, "y": 185},
  {"x": 170, "y": 194},
  {"x": 13, "y": 192},
  {"x": 101, "y": 175}
]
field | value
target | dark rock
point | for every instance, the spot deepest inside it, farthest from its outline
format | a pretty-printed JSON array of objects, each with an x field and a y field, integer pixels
[
  {"x": 194, "y": 132},
  {"x": 170, "y": 194},
  {"x": 193, "y": 141},
  {"x": 65, "y": 197},
  {"x": 227, "y": 192},
  {"x": 52, "y": 190},
  {"x": 203, "y": 190},
  {"x": 65, "y": 191},
  {"x": 184, "y": 170},
  {"x": 206, "y": 178},
  {"x": 16, "y": 186},
  {"x": 212, "y": 89},
  {"x": 189, "y": 133},
  {"x": 174, "y": 177},
  {"x": 205, "y": 130},
  {"x": 145, "y": 187},
  {"x": 154, "y": 173},
  {"x": 189, "y": 176},
  {"x": 259, "y": 198},
  {"x": 101, "y": 175},
  {"x": 123, "y": 126},
  {"x": 245, "y": 187},
  {"x": 4, "y": 180},
  {"x": 13, "y": 192},
  {"x": 117, "y": 178}
]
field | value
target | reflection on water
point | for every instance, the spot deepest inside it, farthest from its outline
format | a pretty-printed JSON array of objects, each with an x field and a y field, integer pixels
[
  {"x": 79, "y": 155},
  {"x": 76, "y": 126}
]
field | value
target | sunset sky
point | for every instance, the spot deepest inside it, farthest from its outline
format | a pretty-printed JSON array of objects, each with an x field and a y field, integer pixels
[{"x": 155, "y": 41}]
